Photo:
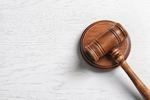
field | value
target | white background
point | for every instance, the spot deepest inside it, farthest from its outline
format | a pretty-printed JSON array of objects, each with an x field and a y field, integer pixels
[{"x": 39, "y": 53}]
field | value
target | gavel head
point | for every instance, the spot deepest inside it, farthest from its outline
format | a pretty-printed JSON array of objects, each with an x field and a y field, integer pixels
[{"x": 106, "y": 41}]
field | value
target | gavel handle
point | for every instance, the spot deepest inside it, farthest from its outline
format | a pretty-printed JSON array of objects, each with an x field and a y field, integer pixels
[{"x": 144, "y": 91}]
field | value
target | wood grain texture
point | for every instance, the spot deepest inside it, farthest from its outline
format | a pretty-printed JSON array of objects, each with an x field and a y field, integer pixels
[
  {"x": 119, "y": 58},
  {"x": 40, "y": 58},
  {"x": 87, "y": 47}
]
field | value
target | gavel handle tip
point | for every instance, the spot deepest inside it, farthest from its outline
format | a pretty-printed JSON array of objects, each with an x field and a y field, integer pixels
[{"x": 144, "y": 91}]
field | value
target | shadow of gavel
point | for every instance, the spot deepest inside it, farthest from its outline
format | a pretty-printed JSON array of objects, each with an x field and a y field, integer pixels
[{"x": 107, "y": 43}]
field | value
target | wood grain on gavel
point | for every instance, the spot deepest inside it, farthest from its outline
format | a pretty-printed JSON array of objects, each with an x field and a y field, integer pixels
[{"x": 107, "y": 42}]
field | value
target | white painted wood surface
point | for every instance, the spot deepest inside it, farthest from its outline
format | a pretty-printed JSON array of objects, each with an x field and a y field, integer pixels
[{"x": 40, "y": 58}]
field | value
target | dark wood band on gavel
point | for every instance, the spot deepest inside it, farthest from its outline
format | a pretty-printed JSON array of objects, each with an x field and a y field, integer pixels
[{"x": 105, "y": 42}]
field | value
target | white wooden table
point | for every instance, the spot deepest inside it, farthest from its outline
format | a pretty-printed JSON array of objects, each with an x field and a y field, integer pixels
[{"x": 39, "y": 53}]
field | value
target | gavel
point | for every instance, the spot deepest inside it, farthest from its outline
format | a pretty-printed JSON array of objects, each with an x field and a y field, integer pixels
[{"x": 107, "y": 43}]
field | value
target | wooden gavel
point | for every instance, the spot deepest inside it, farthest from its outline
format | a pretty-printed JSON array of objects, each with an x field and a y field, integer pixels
[{"x": 107, "y": 42}]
